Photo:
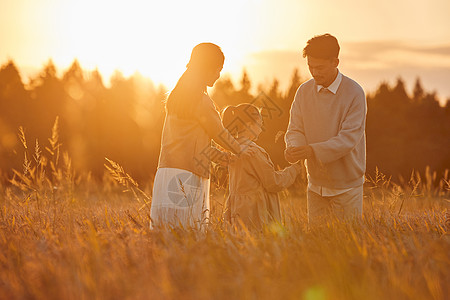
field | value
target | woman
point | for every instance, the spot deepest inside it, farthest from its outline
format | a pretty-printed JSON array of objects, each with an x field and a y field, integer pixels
[{"x": 181, "y": 186}]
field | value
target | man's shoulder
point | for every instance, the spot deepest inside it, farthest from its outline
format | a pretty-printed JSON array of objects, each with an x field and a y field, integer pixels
[
  {"x": 352, "y": 84},
  {"x": 307, "y": 84},
  {"x": 306, "y": 87}
]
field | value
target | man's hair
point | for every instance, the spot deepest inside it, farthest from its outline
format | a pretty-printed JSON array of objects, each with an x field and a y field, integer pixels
[{"x": 323, "y": 46}]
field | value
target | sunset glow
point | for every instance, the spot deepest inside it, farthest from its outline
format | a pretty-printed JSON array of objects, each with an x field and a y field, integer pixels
[
  {"x": 154, "y": 38},
  {"x": 134, "y": 166},
  {"x": 151, "y": 37}
]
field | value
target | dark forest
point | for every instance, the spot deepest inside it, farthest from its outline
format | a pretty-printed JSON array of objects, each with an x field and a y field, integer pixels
[{"x": 406, "y": 132}]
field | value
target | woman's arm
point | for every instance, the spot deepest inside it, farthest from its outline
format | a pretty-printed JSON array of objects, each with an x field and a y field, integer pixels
[
  {"x": 209, "y": 119},
  {"x": 219, "y": 157}
]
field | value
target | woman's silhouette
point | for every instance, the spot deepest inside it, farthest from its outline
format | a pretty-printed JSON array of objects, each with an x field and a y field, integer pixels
[{"x": 181, "y": 187}]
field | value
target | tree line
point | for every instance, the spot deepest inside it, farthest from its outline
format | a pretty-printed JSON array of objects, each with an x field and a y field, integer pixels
[{"x": 123, "y": 122}]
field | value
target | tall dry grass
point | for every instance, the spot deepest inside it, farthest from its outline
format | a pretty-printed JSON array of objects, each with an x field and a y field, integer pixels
[{"x": 66, "y": 236}]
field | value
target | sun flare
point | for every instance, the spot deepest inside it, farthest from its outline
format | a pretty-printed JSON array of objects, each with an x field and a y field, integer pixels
[{"x": 153, "y": 38}]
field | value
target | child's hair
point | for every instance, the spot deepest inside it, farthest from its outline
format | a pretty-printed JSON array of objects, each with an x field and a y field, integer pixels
[{"x": 236, "y": 118}]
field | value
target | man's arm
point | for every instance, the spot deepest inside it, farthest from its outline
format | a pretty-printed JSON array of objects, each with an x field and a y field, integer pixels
[
  {"x": 350, "y": 134},
  {"x": 295, "y": 135}
]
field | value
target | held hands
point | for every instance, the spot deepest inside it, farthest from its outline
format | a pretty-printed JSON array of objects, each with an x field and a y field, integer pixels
[
  {"x": 230, "y": 158},
  {"x": 294, "y": 154},
  {"x": 247, "y": 151},
  {"x": 225, "y": 159}
]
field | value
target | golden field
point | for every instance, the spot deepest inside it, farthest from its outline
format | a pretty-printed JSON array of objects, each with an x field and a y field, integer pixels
[{"x": 68, "y": 236}]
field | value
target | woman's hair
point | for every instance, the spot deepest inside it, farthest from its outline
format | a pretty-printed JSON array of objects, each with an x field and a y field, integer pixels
[
  {"x": 236, "y": 118},
  {"x": 323, "y": 46},
  {"x": 190, "y": 88},
  {"x": 206, "y": 57}
]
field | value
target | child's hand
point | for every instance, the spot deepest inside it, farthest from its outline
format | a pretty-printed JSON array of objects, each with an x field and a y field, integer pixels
[
  {"x": 233, "y": 158},
  {"x": 294, "y": 154},
  {"x": 225, "y": 160},
  {"x": 288, "y": 155}
]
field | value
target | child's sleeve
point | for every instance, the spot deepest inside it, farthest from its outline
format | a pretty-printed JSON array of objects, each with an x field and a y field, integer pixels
[{"x": 272, "y": 180}]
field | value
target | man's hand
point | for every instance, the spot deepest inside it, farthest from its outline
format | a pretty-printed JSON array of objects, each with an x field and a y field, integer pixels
[
  {"x": 294, "y": 154},
  {"x": 288, "y": 155}
]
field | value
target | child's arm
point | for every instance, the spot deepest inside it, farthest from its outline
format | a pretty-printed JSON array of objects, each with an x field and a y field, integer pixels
[{"x": 272, "y": 180}]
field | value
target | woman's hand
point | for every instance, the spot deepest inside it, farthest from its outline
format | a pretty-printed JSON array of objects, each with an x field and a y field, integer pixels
[
  {"x": 225, "y": 159},
  {"x": 246, "y": 150}
]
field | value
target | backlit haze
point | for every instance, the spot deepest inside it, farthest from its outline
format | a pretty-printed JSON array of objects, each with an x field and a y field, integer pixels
[{"x": 380, "y": 40}]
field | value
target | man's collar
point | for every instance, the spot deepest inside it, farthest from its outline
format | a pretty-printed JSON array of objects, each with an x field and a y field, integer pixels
[{"x": 333, "y": 87}]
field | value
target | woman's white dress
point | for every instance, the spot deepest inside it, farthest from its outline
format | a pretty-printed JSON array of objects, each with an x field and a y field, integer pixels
[{"x": 180, "y": 199}]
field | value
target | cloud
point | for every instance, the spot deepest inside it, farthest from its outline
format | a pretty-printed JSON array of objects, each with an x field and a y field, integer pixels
[
  {"x": 386, "y": 46},
  {"x": 395, "y": 53},
  {"x": 440, "y": 50},
  {"x": 370, "y": 63}
]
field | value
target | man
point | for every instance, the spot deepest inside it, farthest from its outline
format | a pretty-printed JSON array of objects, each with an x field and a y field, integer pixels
[{"x": 327, "y": 128}]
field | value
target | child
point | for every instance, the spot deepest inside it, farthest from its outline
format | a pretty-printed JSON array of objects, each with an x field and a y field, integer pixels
[{"x": 253, "y": 181}]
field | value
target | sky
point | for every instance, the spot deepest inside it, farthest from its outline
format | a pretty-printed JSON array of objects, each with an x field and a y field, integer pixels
[{"x": 380, "y": 40}]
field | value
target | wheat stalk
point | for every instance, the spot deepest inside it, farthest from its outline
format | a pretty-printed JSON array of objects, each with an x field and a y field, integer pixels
[{"x": 123, "y": 178}]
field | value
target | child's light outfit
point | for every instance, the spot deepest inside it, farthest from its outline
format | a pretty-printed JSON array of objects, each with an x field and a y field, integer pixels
[{"x": 253, "y": 184}]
